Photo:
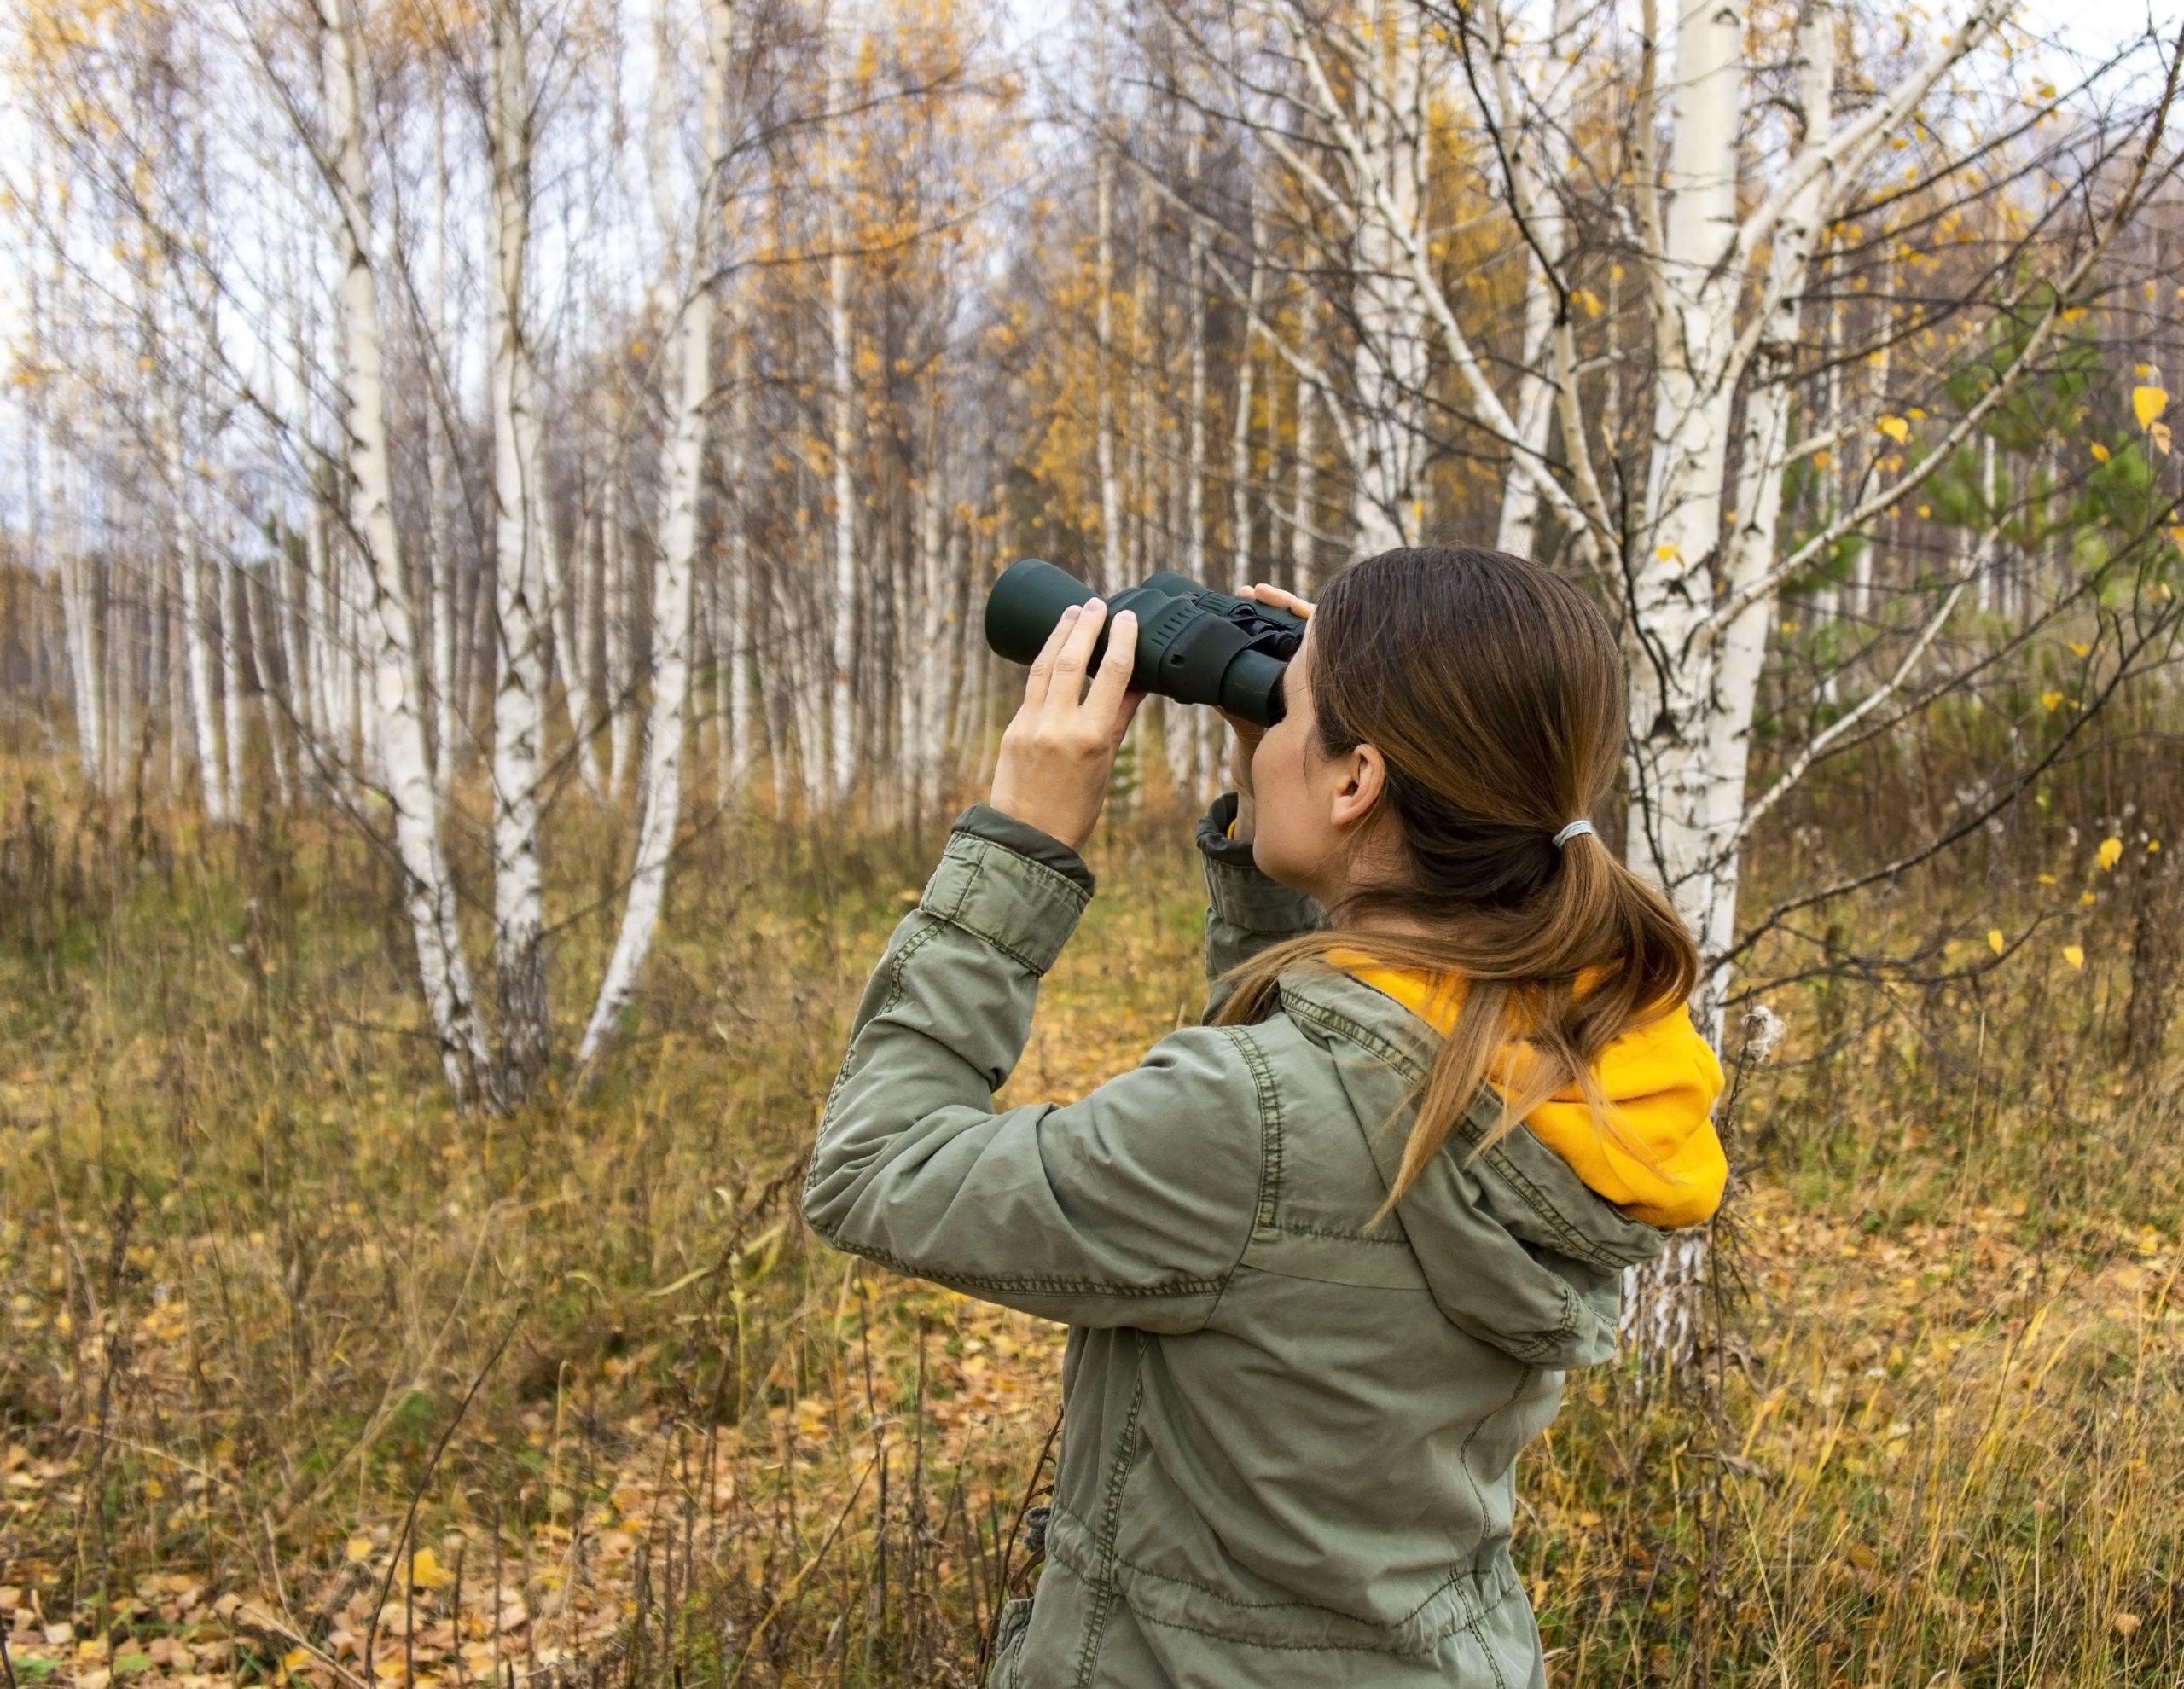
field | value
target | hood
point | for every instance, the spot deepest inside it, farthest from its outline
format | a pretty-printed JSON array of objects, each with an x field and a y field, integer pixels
[
  {"x": 1658, "y": 1158},
  {"x": 1517, "y": 1251}
]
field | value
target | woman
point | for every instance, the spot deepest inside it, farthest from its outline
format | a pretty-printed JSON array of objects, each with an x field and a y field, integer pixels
[{"x": 1325, "y": 1260}]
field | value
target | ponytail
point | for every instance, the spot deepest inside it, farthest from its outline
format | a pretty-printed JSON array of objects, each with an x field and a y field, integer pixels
[{"x": 1494, "y": 692}]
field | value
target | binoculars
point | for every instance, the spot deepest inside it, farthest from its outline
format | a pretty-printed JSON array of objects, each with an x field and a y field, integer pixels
[{"x": 1194, "y": 645}]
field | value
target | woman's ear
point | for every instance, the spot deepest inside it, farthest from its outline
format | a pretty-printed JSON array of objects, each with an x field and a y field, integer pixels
[{"x": 1361, "y": 778}]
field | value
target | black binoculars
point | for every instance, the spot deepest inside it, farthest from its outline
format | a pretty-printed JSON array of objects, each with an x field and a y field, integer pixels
[{"x": 1194, "y": 645}]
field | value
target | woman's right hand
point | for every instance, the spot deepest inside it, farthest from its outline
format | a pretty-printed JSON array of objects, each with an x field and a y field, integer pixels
[{"x": 1246, "y": 734}]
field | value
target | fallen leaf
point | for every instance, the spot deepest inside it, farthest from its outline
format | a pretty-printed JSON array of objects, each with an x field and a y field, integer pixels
[
  {"x": 427, "y": 1572},
  {"x": 2127, "y": 1625}
]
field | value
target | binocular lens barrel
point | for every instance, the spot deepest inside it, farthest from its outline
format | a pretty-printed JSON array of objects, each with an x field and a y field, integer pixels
[
  {"x": 1194, "y": 645},
  {"x": 1026, "y": 603}
]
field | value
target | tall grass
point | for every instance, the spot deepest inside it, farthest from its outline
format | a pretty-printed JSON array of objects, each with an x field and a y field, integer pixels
[{"x": 304, "y": 1377}]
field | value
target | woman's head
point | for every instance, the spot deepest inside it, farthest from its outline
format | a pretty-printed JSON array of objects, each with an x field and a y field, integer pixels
[{"x": 1452, "y": 711}]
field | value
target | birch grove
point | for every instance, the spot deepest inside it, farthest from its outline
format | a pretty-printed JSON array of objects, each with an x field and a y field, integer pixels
[{"x": 495, "y": 430}]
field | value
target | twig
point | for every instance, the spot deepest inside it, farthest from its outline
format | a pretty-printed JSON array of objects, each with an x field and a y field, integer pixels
[
  {"x": 417, "y": 1492},
  {"x": 758, "y": 1630}
]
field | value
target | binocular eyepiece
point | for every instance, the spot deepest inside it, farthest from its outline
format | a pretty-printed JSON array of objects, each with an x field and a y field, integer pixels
[{"x": 1194, "y": 645}]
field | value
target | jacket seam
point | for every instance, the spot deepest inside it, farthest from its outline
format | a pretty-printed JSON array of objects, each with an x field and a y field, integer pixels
[
  {"x": 1104, "y": 1589},
  {"x": 1269, "y": 1102},
  {"x": 983, "y": 847},
  {"x": 1269, "y": 1106},
  {"x": 1463, "y": 1454},
  {"x": 1337, "y": 1235},
  {"x": 896, "y": 993},
  {"x": 974, "y": 862}
]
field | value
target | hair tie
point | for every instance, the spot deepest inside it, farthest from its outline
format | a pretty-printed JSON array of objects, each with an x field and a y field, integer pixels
[{"x": 1571, "y": 832}]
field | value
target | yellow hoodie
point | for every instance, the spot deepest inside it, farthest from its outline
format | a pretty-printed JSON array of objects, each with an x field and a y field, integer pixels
[{"x": 1663, "y": 1163}]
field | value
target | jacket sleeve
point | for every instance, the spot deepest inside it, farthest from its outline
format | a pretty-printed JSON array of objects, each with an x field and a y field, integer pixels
[
  {"x": 1245, "y": 912},
  {"x": 1130, "y": 1207}
]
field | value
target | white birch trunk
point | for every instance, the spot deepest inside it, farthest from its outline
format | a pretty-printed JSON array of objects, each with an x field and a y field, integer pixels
[
  {"x": 1391, "y": 362},
  {"x": 1194, "y": 341},
  {"x": 519, "y": 574},
  {"x": 682, "y": 475},
  {"x": 929, "y": 717},
  {"x": 1110, "y": 495},
  {"x": 440, "y": 519},
  {"x": 1540, "y": 143},
  {"x": 197, "y": 648},
  {"x": 234, "y": 722},
  {"x": 1239, "y": 438},
  {"x": 1304, "y": 493},
  {"x": 735, "y": 636},
  {"x": 78, "y": 619},
  {"x": 616, "y": 642},
  {"x": 408, "y": 783},
  {"x": 843, "y": 737}
]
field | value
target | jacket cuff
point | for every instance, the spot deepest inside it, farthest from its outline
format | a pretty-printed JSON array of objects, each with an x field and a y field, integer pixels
[
  {"x": 1016, "y": 902},
  {"x": 1238, "y": 892},
  {"x": 982, "y": 821}
]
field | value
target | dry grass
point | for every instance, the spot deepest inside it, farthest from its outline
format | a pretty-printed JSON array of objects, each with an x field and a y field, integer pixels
[{"x": 287, "y": 1346}]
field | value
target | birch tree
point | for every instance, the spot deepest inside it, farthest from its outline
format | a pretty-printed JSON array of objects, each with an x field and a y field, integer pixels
[
  {"x": 682, "y": 475},
  {"x": 520, "y": 544},
  {"x": 389, "y": 628}
]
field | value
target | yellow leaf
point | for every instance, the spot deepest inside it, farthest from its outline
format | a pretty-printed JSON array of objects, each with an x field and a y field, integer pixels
[
  {"x": 1821, "y": 459},
  {"x": 2045, "y": 91},
  {"x": 296, "y": 1656},
  {"x": 2078, "y": 650},
  {"x": 1668, "y": 553},
  {"x": 1916, "y": 414},
  {"x": 2047, "y": 880},
  {"x": 2052, "y": 700},
  {"x": 1924, "y": 511},
  {"x": 2100, "y": 452},
  {"x": 2153, "y": 845},
  {"x": 2074, "y": 955},
  {"x": 2148, "y": 402},
  {"x": 1894, "y": 427},
  {"x": 2087, "y": 900},
  {"x": 1995, "y": 941},
  {"x": 2111, "y": 852},
  {"x": 2160, "y": 435},
  {"x": 427, "y": 1572},
  {"x": 359, "y": 1548}
]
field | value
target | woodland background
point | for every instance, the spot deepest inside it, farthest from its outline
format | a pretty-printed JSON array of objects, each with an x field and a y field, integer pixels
[{"x": 489, "y": 641}]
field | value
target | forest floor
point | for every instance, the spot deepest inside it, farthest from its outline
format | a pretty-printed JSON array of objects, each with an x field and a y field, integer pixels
[{"x": 306, "y": 1378}]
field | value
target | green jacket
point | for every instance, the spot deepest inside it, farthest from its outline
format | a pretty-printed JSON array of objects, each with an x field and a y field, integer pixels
[{"x": 1291, "y": 1433}]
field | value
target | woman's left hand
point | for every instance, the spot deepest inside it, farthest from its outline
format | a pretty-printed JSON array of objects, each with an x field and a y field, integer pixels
[
  {"x": 1058, "y": 752},
  {"x": 1248, "y": 734}
]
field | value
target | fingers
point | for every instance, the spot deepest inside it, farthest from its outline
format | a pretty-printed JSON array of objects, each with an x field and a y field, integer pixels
[
  {"x": 1104, "y": 702},
  {"x": 1081, "y": 632},
  {"x": 1278, "y": 598},
  {"x": 1039, "y": 682}
]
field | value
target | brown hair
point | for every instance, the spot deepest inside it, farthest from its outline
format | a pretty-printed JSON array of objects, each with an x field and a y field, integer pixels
[{"x": 1494, "y": 691}]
